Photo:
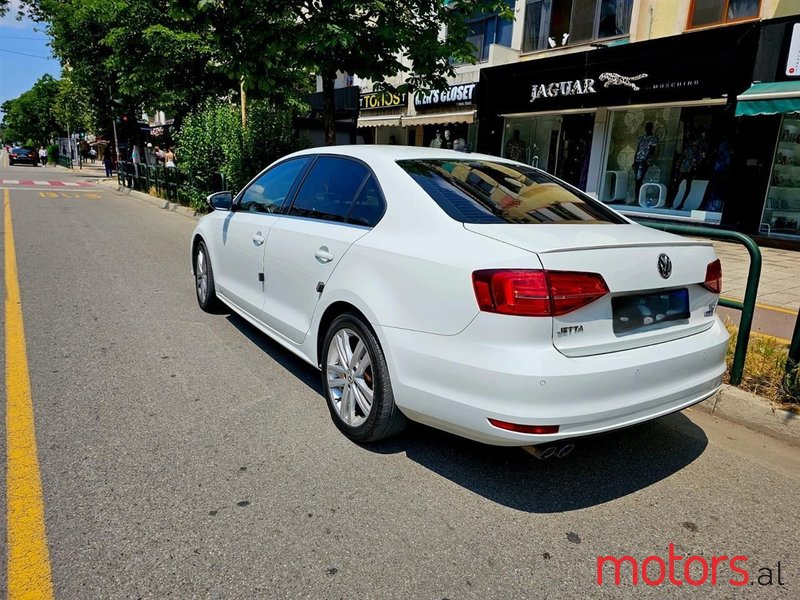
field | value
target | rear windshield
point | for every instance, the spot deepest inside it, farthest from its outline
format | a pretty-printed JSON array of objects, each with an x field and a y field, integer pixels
[{"x": 481, "y": 191}]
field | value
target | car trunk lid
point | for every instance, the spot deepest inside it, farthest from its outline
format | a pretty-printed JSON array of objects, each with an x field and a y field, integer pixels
[{"x": 644, "y": 306}]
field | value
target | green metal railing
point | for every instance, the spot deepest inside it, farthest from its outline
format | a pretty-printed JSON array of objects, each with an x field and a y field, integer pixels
[
  {"x": 748, "y": 305},
  {"x": 65, "y": 161},
  {"x": 165, "y": 181}
]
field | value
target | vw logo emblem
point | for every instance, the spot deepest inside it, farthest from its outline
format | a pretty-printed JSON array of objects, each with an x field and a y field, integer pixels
[{"x": 664, "y": 266}]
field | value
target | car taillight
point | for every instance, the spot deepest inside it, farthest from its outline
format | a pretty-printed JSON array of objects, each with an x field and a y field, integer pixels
[
  {"x": 536, "y": 292},
  {"x": 713, "y": 282},
  {"x": 12, "y": 155}
]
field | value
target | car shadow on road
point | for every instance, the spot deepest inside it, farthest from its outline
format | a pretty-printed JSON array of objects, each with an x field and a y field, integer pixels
[
  {"x": 295, "y": 365},
  {"x": 602, "y": 468}
]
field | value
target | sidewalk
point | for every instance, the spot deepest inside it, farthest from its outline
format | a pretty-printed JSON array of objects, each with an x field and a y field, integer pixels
[{"x": 779, "y": 285}]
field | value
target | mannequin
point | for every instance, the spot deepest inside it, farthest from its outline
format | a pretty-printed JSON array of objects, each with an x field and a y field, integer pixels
[
  {"x": 645, "y": 150},
  {"x": 437, "y": 141},
  {"x": 516, "y": 148},
  {"x": 448, "y": 143}
]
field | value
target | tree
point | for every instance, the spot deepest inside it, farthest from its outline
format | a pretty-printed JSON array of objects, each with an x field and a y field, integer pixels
[
  {"x": 134, "y": 50},
  {"x": 72, "y": 108},
  {"x": 30, "y": 117},
  {"x": 374, "y": 39}
]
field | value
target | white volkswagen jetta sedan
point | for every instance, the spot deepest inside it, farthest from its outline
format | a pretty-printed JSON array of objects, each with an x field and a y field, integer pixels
[{"x": 468, "y": 292}]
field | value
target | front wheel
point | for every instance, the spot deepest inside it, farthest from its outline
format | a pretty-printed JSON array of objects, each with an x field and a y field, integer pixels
[
  {"x": 204, "y": 280},
  {"x": 356, "y": 383}
]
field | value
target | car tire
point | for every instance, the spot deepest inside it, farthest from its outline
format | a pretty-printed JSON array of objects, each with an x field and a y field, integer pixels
[
  {"x": 353, "y": 369},
  {"x": 204, "y": 281}
]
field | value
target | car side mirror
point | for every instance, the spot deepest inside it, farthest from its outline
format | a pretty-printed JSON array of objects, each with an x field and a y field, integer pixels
[{"x": 220, "y": 200}]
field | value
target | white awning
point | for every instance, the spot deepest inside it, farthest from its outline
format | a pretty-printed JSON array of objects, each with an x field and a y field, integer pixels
[
  {"x": 382, "y": 121},
  {"x": 467, "y": 116}
]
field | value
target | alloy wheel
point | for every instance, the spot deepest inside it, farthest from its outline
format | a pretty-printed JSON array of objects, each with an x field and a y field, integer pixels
[{"x": 350, "y": 377}]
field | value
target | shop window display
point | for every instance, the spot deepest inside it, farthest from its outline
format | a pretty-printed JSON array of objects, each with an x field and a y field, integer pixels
[
  {"x": 671, "y": 160},
  {"x": 782, "y": 208}
]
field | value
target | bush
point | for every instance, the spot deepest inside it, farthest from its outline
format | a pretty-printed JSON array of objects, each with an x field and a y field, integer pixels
[
  {"x": 52, "y": 152},
  {"x": 212, "y": 140},
  {"x": 765, "y": 370}
]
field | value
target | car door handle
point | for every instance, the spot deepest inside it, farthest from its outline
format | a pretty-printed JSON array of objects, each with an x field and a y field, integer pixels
[
  {"x": 324, "y": 255},
  {"x": 258, "y": 238}
]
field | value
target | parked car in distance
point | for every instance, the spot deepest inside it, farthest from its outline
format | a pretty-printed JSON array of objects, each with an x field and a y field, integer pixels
[
  {"x": 23, "y": 155},
  {"x": 467, "y": 292}
]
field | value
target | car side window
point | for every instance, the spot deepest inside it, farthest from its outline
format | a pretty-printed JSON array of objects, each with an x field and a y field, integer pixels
[
  {"x": 268, "y": 193},
  {"x": 368, "y": 208},
  {"x": 329, "y": 189}
]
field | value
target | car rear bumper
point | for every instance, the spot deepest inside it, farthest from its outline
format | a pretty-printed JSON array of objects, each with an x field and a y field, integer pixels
[{"x": 456, "y": 383}]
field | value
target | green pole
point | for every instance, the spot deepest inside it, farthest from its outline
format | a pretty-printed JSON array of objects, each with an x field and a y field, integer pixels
[{"x": 794, "y": 349}]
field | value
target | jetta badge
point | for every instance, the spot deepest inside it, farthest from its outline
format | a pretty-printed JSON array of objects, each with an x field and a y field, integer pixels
[{"x": 664, "y": 266}]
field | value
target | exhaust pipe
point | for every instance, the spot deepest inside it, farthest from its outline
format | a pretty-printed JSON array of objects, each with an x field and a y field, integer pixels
[
  {"x": 546, "y": 451},
  {"x": 565, "y": 450},
  {"x": 541, "y": 452}
]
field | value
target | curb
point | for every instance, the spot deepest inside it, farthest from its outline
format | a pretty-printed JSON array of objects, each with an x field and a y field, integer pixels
[
  {"x": 159, "y": 202},
  {"x": 755, "y": 413}
]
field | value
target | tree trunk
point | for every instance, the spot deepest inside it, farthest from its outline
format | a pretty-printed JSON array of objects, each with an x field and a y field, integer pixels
[{"x": 329, "y": 110}]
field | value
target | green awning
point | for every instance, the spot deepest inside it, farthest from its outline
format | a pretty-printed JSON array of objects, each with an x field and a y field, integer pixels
[{"x": 769, "y": 99}]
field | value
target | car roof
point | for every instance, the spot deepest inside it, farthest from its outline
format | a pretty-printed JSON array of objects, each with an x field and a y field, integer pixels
[{"x": 371, "y": 152}]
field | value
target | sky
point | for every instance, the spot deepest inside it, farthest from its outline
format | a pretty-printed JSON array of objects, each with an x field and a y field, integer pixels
[{"x": 18, "y": 73}]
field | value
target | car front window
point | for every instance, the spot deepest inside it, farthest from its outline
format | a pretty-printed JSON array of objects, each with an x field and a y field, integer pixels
[
  {"x": 268, "y": 193},
  {"x": 483, "y": 191}
]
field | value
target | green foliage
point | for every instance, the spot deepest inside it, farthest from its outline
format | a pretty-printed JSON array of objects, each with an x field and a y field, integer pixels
[
  {"x": 212, "y": 140},
  {"x": 52, "y": 152},
  {"x": 272, "y": 43},
  {"x": 72, "y": 109},
  {"x": 30, "y": 117}
]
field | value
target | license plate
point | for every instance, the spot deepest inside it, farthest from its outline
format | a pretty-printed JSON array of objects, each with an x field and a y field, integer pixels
[{"x": 644, "y": 311}]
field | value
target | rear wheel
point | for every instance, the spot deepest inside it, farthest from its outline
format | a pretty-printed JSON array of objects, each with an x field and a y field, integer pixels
[
  {"x": 204, "y": 281},
  {"x": 356, "y": 382}
]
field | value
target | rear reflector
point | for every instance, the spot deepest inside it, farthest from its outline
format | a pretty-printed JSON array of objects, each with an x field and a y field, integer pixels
[
  {"x": 536, "y": 292},
  {"x": 713, "y": 282},
  {"x": 516, "y": 427}
]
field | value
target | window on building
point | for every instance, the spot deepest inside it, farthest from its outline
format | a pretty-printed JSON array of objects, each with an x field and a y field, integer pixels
[
  {"x": 554, "y": 23},
  {"x": 487, "y": 30},
  {"x": 714, "y": 12}
]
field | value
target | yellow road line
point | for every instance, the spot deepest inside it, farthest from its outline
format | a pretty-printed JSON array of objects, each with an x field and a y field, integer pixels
[
  {"x": 788, "y": 311},
  {"x": 28, "y": 570}
]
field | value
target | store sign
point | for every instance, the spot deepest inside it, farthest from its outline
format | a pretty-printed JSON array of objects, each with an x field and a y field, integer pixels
[
  {"x": 378, "y": 100},
  {"x": 579, "y": 87},
  {"x": 793, "y": 62},
  {"x": 456, "y": 94}
]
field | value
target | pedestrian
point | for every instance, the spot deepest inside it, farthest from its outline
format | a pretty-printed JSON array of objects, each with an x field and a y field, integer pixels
[
  {"x": 43, "y": 155},
  {"x": 92, "y": 154},
  {"x": 108, "y": 160},
  {"x": 159, "y": 154},
  {"x": 169, "y": 157},
  {"x": 135, "y": 155}
]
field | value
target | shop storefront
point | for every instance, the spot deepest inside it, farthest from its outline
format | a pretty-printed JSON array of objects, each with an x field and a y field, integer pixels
[
  {"x": 380, "y": 117},
  {"x": 772, "y": 105},
  {"x": 648, "y": 127},
  {"x": 444, "y": 119}
]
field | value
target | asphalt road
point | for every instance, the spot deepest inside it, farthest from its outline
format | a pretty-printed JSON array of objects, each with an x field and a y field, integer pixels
[{"x": 185, "y": 455}]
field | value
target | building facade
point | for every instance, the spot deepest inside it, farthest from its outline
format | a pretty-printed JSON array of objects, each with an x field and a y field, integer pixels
[{"x": 687, "y": 110}]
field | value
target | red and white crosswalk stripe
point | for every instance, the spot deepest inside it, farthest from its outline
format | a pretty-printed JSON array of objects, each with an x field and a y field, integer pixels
[{"x": 39, "y": 183}]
